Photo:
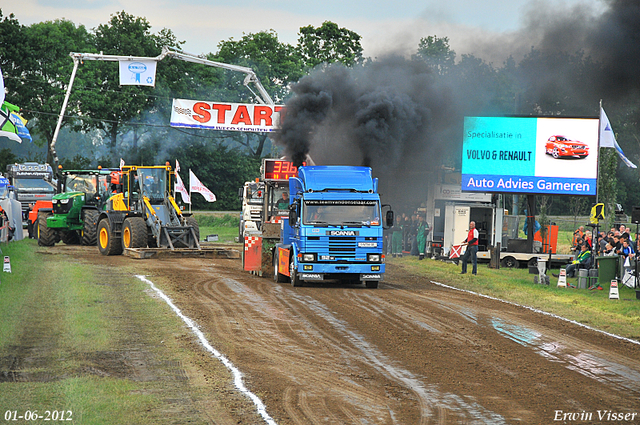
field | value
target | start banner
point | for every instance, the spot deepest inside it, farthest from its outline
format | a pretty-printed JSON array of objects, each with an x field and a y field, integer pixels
[{"x": 225, "y": 116}]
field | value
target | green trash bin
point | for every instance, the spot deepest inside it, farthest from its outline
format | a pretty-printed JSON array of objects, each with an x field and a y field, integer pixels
[{"x": 607, "y": 268}]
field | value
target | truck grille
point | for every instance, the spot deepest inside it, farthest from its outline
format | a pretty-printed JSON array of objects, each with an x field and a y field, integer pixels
[{"x": 337, "y": 246}]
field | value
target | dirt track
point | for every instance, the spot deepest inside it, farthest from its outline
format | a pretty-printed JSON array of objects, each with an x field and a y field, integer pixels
[{"x": 409, "y": 352}]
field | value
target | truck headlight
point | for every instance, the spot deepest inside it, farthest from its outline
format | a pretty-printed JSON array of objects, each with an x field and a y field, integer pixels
[
  {"x": 373, "y": 258},
  {"x": 309, "y": 258}
]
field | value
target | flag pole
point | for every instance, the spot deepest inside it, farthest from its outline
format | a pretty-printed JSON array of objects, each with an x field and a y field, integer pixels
[{"x": 190, "y": 196}]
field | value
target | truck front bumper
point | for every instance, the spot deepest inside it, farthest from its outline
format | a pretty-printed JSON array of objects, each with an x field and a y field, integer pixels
[{"x": 323, "y": 271}]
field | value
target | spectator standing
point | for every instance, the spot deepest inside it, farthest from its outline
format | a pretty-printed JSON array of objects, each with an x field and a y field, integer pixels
[{"x": 472, "y": 249}]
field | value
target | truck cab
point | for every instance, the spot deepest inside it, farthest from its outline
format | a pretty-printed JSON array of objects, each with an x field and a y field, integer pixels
[
  {"x": 32, "y": 182},
  {"x": 334, "y": 230}
]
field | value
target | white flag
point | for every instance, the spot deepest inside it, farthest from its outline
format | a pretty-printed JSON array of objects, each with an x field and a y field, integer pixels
[
  {"x": 2, "y": 89},
  {"x": 177, "y": 166},
  {"x": 180, "y": 188},
  {"x": 121, "y": 163},
  {"x": 196, "y": 186},
  {"x": 138, "y": 73},
  {"x": 608, "y": 138}
]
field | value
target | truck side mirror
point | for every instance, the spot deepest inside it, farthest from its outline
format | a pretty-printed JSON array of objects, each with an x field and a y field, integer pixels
[
  {"x": 389, "y": 218},
  {"x": 240, "y": 193},
  {"x": 293, "y": 215}
]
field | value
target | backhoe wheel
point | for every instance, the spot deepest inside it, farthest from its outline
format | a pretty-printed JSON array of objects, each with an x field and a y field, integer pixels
[
  {"x": 70, "y": 238},
  {"x": 293, "y": 274},
  {"x": 46, "y": 236},
  {"x": 107, "y": 243},
  {"x": 191, "y": 221},
  {"x": 134, "y": 233},
  {"x": 89, "y": 227}
]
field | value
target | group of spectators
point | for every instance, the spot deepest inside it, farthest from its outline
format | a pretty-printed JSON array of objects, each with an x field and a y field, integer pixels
[
  {"x": 617, "y": 241},
  {"x": 409, "y": 235}
]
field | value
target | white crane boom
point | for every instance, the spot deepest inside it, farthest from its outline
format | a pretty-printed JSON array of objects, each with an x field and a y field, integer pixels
[{"x": 251, "y": 77}]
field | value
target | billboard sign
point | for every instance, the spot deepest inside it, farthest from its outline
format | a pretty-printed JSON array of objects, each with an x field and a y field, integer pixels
[
  {"x": 547, "y": 156},
  {"x": 225, "y": 116}
]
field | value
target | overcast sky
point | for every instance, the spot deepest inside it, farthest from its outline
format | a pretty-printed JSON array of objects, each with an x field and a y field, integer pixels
[{"x": 384, "y": 25}]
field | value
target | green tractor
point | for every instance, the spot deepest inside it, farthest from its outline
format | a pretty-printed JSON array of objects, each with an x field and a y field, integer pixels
[{"x": 73, "y": 218}]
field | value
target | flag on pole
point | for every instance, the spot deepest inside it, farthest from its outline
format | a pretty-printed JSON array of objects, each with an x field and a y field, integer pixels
[
  {"x": 12, "y": 125},
  {"x": 1, "y": 88},
  {"x": 196, "y": 186},
  {"x": 177, "y": 166},
  {"x": 181, "y": 189},
  {"x": 608, "y": 138},
  {"x": 121, "y": 163}
]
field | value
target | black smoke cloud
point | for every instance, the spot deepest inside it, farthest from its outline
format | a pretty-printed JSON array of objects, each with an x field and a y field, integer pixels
[
  {"x": 386, "y": 115},
  {"x": 398, "y": 117}
]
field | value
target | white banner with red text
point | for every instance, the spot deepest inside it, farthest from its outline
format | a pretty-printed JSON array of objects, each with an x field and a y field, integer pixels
[{"x": 225, "y": 116}]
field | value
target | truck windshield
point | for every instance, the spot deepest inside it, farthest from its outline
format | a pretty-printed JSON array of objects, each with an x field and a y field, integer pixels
[
  {"x": 4, "y": 192},
  {"x": 80, "y": 183},
  {"x": 350, "y": 213},
  {"x": 33, "y": 184},
  {"x": 153, "y": 182}
]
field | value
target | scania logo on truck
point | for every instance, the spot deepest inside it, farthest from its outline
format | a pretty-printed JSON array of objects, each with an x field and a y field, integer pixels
[{"x": 342, "y": 233}]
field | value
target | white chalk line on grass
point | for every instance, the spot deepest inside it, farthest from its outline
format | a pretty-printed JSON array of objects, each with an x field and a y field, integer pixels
[
  {"x": 237, "y": 375},
  {"x": 540, "y": 312}
]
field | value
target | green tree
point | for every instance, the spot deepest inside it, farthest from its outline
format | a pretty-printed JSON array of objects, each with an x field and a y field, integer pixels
[
  {"x": 37, "y": 67},
  {"x": 329, "y": 43},
  {"x": 437, "y": 53},
  {"x": 112, "y": 106}
]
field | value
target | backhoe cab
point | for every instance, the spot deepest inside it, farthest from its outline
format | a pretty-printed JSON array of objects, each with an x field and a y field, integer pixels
[{"x": 144, "y": 213}]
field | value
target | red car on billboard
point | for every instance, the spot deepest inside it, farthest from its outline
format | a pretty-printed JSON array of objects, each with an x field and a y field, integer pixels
[{"x": 559, "y": 146}]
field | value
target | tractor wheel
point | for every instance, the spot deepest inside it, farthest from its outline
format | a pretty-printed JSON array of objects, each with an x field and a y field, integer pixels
[
  {"x": 191, "y": 221},
  {"x": 277, "y": 276},
  {"x": 293, "y": 273},
  {"x": 89, "y": 227},
  {"x": 107, "y": 243},
  {"x": 134, "y": 233},
  {"x": 70, "y": 238},
  {"x": 46, "y": 236}
]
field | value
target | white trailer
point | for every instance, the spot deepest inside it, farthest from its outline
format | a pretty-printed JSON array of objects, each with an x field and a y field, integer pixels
[{"x": 450, "y": 210}]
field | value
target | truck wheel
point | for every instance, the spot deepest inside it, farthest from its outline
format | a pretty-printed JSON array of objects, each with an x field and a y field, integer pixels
[
  {"x": 373, "y": 284},
  {"x": 277, "y": 276},
  {"x": 134, "y": 233},
  {"x": 89, "y": 227},
  {"x": 107, "y": 243},
  {"x": 191, "y": 221},
  {"x": 293, "y": 273},
  {"x": 46, "y": 236},
  {"x": 509, "y": 262},
  {"x": 70, "y": 238}
]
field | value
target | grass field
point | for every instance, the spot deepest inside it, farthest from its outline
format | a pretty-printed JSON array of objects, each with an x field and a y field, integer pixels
[
  {"x": 590, "y": 307},
  {"x": 64, "y": 346},
  {"x": 223, "y": 225}
]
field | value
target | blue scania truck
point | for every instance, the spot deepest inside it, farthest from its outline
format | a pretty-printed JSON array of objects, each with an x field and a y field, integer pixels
[{"x": 334, "y": 230}]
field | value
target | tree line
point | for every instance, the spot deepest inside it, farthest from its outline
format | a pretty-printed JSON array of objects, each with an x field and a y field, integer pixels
[{"x": 105, "y": 122}]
